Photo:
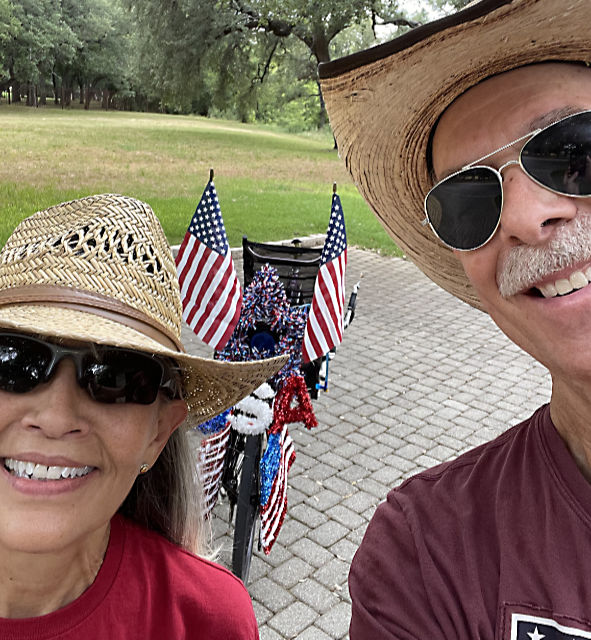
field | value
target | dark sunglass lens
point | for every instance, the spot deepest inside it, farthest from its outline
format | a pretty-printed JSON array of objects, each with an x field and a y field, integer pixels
[
  {"x": 117, "y": 375},
  {"x": 559, "y": 157},
  {"x": 23, "y": 363},
  {"x": 464, "y": 209}
]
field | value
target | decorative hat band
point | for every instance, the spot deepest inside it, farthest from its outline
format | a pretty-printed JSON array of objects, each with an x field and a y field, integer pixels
[{"x": 94, "y": 303}]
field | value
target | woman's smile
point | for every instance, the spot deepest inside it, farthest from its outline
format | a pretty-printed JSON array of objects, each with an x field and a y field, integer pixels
[
  {"x": 28, "y": 475},
  {"x": 33, "y": 470}
]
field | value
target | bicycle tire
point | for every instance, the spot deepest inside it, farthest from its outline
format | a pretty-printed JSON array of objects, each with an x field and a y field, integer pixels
[{"x": 247, "y": 508}]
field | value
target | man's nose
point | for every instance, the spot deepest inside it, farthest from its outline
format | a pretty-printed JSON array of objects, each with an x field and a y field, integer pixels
[
  {"x": 531, "y": 213},
  {"x": 60, "y": 405}
]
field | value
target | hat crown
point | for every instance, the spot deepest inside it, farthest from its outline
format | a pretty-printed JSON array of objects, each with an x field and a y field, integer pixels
[{"x": 107, "y": 244}]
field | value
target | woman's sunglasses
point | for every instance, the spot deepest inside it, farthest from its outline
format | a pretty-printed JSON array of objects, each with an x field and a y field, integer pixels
[
  {"x": 109, "y": 374},
  {"x": 464, "y": 209}
]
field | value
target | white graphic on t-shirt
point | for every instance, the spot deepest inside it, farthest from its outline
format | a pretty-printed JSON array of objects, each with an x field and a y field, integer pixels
[{"x": 525, "y": 627}]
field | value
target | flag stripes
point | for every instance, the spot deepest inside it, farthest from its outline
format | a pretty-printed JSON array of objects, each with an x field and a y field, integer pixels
[
  {"x": 210, "y": 291},
  {"x": 324, "y": 328},
  {"x": 210, "y": 465},
  {"x": 274, "y": 509}
]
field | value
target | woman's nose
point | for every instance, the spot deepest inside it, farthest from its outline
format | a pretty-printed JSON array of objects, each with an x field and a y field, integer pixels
[
  {"x": 60, "y": 405},
  {"x": 531, "y": 213}
]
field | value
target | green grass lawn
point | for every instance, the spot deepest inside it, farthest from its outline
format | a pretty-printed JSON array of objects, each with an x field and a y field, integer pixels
[{"x": 271, "y": 185}]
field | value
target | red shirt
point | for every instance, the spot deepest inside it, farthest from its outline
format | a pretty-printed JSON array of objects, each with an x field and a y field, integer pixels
[
  {"x": 495, "y": 545},
  {"x": 147, "y": 589}
]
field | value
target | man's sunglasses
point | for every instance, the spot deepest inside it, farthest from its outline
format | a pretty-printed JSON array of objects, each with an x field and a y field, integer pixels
[
  {"x": 464, "y": 209},
  {"x": 108, "y": 374}
]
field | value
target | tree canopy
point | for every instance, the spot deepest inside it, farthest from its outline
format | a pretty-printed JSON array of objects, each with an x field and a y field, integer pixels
[{"x": 247, "y": 59}]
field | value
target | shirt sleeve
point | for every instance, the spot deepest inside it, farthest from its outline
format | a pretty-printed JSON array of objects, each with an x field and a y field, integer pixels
[{"x": 389, "y": 598}]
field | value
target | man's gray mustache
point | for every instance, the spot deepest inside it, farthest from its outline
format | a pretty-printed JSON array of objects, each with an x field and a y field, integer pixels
[{"x": 525, "y": 265}]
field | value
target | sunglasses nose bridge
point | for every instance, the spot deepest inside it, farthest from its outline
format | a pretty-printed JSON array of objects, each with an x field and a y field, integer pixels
[
  {"x": 508, "y": 164},
  {"x": 60, "y": 353}
]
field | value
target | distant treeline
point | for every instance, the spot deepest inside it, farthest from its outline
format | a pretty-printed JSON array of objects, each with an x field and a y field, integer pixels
[{"x": 253, "y": 60}]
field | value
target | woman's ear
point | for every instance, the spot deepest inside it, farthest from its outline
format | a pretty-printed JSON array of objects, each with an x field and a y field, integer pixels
[{"x": 171, "y": 414}]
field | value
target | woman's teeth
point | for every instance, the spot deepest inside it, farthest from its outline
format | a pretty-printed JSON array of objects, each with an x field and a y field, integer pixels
[
  {"x": 23, "y": 469},
  {"x": 562, "y": 286}
]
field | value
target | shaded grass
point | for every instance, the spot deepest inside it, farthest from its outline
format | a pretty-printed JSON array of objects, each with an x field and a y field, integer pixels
[{"x": 271, "y": 185}]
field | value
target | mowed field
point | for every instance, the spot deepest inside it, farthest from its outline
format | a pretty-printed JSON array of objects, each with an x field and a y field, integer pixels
[{"x": 271, "y": 185}]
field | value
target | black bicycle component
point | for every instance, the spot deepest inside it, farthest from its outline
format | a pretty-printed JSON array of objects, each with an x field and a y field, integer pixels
[
  {"x": 350, "y": 313},
  {"x": 233, "y": 468},
  {"x": 248, "y": 507},
  {"x": 296, "y": 267}
]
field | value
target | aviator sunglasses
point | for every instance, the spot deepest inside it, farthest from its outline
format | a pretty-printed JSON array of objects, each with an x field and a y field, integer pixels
[
  {"x": 108, "y": 374},
  {"x": 464, "y": 209}
]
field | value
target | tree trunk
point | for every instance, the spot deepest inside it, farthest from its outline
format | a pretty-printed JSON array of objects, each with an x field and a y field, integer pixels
[
  {"x": 42, "y": 92},
  {"x": 56, "y": 95},
  {"x": 322, "y": 54},
  {"x": 31, "y": 95},
  {"x": 106, "y": 96}
]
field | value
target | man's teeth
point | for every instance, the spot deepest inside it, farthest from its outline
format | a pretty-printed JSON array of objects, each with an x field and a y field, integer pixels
[
  {"x": 24, "y": 469},
  {"x": 562, "y": 286}
]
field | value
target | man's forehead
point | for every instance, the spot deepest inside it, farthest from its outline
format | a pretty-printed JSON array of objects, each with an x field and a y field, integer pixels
[{"x": 556, "y": 90}]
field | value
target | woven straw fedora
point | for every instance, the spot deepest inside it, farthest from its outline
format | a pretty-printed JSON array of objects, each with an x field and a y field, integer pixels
[
  {"x": 100, "y": 269},
  {"x": 383, "y": 104}
]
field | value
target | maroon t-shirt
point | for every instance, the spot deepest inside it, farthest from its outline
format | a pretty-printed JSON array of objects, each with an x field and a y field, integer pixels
[
  {"x": 493, "y": 545},
  {"x": 147, "y": 589}
]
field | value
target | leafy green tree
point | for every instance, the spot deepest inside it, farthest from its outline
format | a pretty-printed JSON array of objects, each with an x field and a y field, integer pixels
[
  {"x": 29, "y": 48},
  {"x": 244, "y": 56},
  {"x": 101, "y": 58},
  {"x": 66, "y": 45},
  {"x": 314, "y": 22},
  {"x": 9, "y": 25}
]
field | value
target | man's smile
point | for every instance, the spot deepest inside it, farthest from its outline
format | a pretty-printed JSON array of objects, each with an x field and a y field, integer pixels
[{"x": 577, "y": 279}]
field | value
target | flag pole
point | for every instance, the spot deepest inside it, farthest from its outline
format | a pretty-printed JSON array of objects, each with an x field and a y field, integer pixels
[
  {"x": 211, "y": 174},
  {"x": 334, "y": 187}
]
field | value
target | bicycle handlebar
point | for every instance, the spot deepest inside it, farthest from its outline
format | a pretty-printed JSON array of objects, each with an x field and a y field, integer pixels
[{"x": 350, "y": 313}]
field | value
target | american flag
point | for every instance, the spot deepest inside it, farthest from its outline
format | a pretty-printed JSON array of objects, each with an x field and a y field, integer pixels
[
  {"x": 210, "y": 465},
  {"x": 210, "y": 290},
  {"x": 324, "y": 329},
  {"x": 274, "y": 466}
]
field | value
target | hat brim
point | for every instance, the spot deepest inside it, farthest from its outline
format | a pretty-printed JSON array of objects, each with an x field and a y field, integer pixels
[
  {"x": 210, "y": 386},
  {"x": 384, "y": 103}
]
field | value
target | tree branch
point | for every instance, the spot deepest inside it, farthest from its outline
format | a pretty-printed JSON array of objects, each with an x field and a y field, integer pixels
[
  {"x": 280, "y": 28},
  {"x": 261, "y": 77},
  {"x": 400, "y": 22}
]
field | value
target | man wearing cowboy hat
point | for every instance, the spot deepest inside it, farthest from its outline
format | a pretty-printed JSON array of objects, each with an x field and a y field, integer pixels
[{"x": 470, "y": 138}]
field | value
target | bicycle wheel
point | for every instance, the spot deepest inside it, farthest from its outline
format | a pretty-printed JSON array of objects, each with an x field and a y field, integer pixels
[{"x": 247, "y": 509}]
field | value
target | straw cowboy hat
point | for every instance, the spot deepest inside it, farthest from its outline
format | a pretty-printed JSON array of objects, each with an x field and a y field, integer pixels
[
  {"x": 100, "y": 270},
  {"x": 384, "y": 103}
]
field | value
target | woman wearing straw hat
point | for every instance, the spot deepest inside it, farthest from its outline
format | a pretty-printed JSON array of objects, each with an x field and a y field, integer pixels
[
  {"x": 469, "y": 137},
  {"x": 99, "y": 520}
]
